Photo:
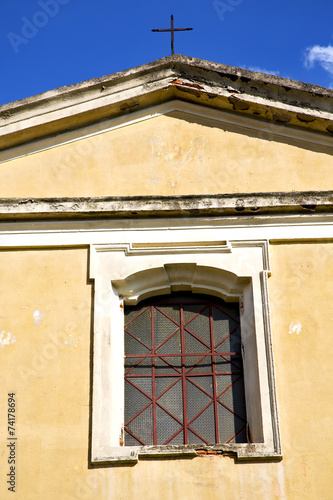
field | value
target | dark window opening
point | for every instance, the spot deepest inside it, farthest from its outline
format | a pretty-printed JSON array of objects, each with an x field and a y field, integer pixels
[{"x": 183, "y": 372}]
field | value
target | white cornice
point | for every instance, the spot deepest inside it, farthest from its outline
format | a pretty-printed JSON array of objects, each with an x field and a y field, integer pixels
[
  {"x": 270, "y": 99},
  {"x": 240, "y": 123},
  {"x": 243, "y": 205},
  {"x": 182, "y": 232}
]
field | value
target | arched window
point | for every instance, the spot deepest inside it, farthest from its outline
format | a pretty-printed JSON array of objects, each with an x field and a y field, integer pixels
[
  {"x": 184, "y": 372},
  {"x": 184, "y": 388}
]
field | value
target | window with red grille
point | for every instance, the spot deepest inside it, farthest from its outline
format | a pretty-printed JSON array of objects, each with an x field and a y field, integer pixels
[{"x": 183, "y": 372}]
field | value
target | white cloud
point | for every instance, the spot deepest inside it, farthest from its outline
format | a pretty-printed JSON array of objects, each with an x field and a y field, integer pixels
[{"x": 320, "y": 55}]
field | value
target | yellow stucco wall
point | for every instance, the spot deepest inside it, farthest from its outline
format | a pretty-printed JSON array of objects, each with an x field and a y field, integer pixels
[
  {"x": 118, "y": 163},
  {"x": 45, "y": 302}
]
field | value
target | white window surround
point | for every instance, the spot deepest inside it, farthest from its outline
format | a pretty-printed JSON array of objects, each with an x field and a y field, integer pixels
[{"x": 126, "y": 273}]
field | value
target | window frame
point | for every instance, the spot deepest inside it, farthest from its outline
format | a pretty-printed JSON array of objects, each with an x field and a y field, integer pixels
[
  {"x": 128, "y": 272},
  {"x": 164, "y": 355}
]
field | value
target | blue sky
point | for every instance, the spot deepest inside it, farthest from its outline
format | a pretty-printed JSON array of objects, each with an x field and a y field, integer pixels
[{"x": 47, "y": 44}]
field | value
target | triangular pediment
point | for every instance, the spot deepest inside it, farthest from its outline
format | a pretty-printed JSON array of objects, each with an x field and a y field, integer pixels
[
  {"x": 178, "y": 126},
  {"x": 215, "y": 86},
  {"x": 175, "y": 148}
]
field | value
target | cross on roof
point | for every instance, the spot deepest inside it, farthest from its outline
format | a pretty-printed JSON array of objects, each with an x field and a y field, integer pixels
[{"x": 172, "y": 30}]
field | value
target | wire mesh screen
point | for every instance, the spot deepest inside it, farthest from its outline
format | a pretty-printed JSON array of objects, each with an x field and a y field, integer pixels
[{"x": 183, "y": 372}]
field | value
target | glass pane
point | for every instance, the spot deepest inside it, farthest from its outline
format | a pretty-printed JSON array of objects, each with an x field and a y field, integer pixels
[
  {"x": 138, "y": 322},
  {"x": 178, "y": 439},
  {"x": 162, "y": 372},
  {"x": 138, "y": 401},
  {"x": 204, "y": 425},
  {"x": 172, "y": 311},
  {"x": 143, "y": 383},
  {"x": 193, "y": 345},
  {"x": 163, "y": 328},
  {"x": 198, "y": 324},
  {"x": 225, "y": 321},
  {"x": 193, "y": 439},
  {"x": 233, "y": 397},
  {"x": 198, "y": 364},
  {"x": 172, "y": 400},
  {"x": 196, "y": 400},
  {"x": 167, "y": 426},
  {"x": 172, "y": 345},
  {"x": 131, "y": 441},
  {"x": 171, "y": 365},
  {"x": 190, "y": 310},
  {"x": 163, "y": 383},
  {"x": 142, "y": 426},
  {"x": 133, "y": 346},
  {"x": 229, "y": 426},
  {"x": 139, "y": 366},
  {"x": 206, "y": 383}
]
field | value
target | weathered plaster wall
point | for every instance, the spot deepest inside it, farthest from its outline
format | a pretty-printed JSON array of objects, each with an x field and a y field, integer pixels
[
  {"x": 301, "y": 311},
  {"x": 119, "y": 163},
  {"x": 45, "y": 303}
]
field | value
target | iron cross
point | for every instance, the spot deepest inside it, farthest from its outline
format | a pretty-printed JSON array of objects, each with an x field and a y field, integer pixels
[{"x": 172, "y": 30}]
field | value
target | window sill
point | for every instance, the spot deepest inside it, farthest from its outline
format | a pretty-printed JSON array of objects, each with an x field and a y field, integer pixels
[{"x": 244, "y": 451}]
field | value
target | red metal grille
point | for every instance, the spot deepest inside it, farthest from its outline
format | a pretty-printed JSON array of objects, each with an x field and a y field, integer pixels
[{"x": 183, "y": 372}]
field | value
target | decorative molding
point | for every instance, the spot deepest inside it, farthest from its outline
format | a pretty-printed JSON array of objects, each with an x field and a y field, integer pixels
[
  {"x": 256, "y": 243},
  {"x": 166, "y": 247},
  {"x": 240, "y": 123},
  {"x": 270, "y": 357},
  {"x": 180, "y": 276},
  {"x": 240, "y": 204},
  {"x": 314, "y": 228},
  {"x": 176, "y": 77}
]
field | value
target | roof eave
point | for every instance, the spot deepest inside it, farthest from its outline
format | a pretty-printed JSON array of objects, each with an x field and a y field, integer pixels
[{"x": 174, "y": 77}]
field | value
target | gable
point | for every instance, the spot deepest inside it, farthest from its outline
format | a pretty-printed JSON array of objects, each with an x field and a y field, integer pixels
[
  {"x": 135, "y": 171},
  {"x": 178, "y": 149}
]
